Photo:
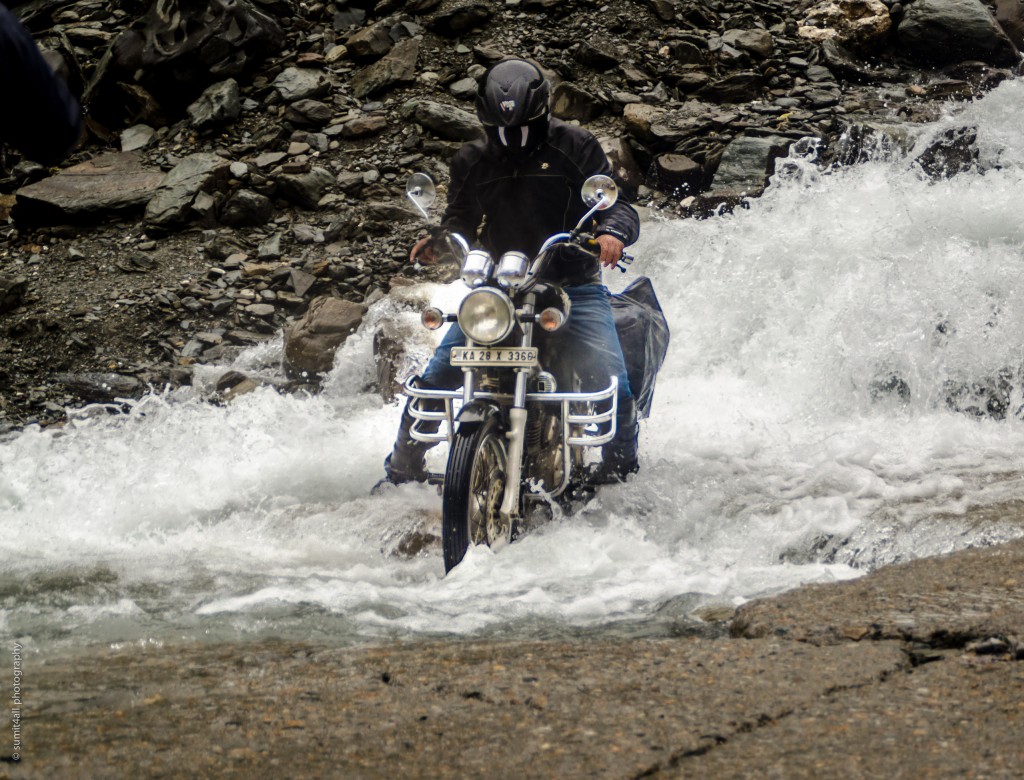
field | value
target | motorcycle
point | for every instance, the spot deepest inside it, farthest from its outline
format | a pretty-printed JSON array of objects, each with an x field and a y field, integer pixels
[{"x": 519, "y": 428}]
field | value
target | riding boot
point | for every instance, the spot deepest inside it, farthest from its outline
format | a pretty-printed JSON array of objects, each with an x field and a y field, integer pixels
[
  {"x": 620, "y": 458},
  {"x": 406, "y": 461}
]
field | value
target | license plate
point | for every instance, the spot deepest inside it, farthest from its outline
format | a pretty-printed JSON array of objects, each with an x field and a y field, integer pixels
[{"x": 494, "y": 356}]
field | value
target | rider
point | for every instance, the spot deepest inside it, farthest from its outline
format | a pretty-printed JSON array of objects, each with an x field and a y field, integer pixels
[{"x": 523, "y": 184}]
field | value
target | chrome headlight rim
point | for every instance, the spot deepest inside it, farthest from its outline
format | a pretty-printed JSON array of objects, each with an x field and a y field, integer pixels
[{"x": 503, "y": 308}]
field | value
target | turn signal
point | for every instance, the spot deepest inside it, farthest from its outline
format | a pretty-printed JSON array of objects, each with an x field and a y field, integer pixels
[
  {"x": 432, "y": 318},
  {"x": 551, "y": 319}
]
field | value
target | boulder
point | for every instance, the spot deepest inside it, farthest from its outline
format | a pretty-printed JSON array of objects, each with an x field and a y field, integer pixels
[
  {"x": 679, "y": 175},
  {"x": 746, "y": 164},
  {"x": 1010, "y": 15},
  {"x": 948, "y": 31},
  {"x": 171, "y": 205},
  {"x": 112, "y": 182},
  {"x": 310, "y": 344},
  {"x": 856, "y": 24},
  {"x": 371, "y": 43}
]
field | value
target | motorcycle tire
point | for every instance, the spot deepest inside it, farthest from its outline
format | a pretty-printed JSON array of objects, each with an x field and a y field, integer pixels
[{"x": 474, "y": 485}]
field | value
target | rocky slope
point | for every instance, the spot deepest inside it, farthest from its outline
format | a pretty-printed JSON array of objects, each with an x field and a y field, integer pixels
[{"x": 247, "y": 158}]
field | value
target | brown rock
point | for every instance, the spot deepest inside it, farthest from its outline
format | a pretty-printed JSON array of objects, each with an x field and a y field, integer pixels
[{"x": 310, "y": 344}]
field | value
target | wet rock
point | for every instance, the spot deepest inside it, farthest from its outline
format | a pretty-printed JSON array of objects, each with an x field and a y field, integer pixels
[
  {"x": 444, "y": 121},
  {"x": 305, "y": 189},
  {"x": 219, "y": 104},
  {"x": 100, "y": 387},
  {"x": 953, "y": 152},
  {"x": 747, "y": 163},
  {"x": 679, "y": 175},
  {"x": 398, "y": 67},
  {"x": 947, "y": 31},
  {"x": 310, "y": 344},
  {"x": 170, "y": 205},
  {"x": 233, "y": 384},
  {"x": 112, "y": 182}
]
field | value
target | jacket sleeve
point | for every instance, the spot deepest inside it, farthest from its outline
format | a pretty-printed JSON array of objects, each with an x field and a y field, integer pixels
[
  {"x": 464, "y": 213},
  {"x": 621, "y": 220},
  {"x": 41, "y": 119}
]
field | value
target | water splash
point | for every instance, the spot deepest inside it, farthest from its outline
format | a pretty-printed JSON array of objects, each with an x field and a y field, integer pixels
[{"x": 802, "y": 431}]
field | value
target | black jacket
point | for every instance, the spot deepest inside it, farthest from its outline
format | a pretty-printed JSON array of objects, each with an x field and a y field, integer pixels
[
  {"x": 521, "y": 202},
  {"x": 39, "y": 117}
]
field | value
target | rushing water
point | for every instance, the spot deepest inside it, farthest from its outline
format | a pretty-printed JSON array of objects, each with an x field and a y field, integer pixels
[{"x": 775, "y": 454}]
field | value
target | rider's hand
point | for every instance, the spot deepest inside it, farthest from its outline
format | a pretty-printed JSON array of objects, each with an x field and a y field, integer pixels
[
  {"x": 611, "y": 250},
  {"x": 422, "y": 252}
]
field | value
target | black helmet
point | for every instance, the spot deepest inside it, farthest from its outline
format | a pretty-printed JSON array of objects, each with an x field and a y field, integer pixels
[{"x": 512, "y": 104}]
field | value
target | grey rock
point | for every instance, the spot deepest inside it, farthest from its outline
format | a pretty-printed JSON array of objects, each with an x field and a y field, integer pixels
[
  {"x": 444, "y": 121},
  {"x": 310, "y": 344},
  {"x": 948, "y": 31},
  {"x": 739, "y": 87},
  {"x": 569, "y": 102},
  {"x": 12, "y": 291},
  {"x": 136, "y": 137},
  {"x": 679, "y": 175},
  {"x": 398, "y": 67},
  {"x": 301, "y": 83},
  {"x": 110, "y": 182},
  {"x": 371, "y": 43},
  {"x": 307, "y": 112},
  {"x": 746, "y": 164},
  {"x": 461, "y": 18},
  {"x": 305, "y": 189},
  {"x": 464, "y": 89},
  {"x": 623, "y": 161},
  {"x": 219, "y": 104},
  {"x": 100, "y": 387},
  {"x": 270, "y": 249},
  {"x": 173, "y": 200},
  {"x": 246, "y": 208},
  {"x": 757, "y": 42}
]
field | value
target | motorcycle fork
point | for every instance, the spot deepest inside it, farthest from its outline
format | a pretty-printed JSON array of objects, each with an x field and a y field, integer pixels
[{"x": 516, "y": 435}]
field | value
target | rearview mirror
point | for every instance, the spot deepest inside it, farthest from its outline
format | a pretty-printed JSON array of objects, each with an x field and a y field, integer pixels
[
  {"x": 600, "y": 192},
  {"x": 421, "y": 191}
]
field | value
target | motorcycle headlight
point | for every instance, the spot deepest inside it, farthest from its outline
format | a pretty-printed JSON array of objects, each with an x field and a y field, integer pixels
[
  {"x": 512, "y": 268},
  {"x": 476, "y": 270},
  {"x": 486, "y": 316}
]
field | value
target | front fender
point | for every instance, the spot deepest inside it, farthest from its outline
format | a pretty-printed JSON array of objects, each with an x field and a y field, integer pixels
[{"x": 476, "y": 413}]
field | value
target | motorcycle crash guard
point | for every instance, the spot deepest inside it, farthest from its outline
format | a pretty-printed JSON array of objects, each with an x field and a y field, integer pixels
[{"x": 644, "y": 336}]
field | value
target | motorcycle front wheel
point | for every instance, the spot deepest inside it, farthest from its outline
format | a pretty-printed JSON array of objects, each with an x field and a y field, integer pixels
[{"x": 474, "y": 485}]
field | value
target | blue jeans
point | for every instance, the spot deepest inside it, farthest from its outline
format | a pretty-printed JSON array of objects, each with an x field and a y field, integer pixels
[{"x": 591, "y": 334}]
